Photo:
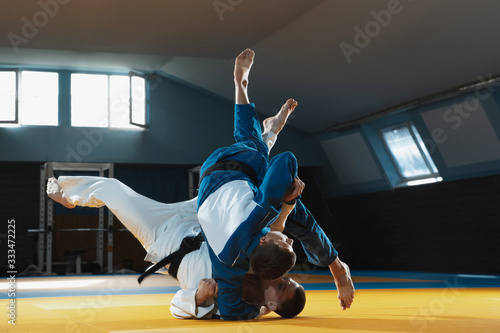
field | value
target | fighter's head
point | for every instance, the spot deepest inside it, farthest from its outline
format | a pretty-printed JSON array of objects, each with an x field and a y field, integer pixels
[
  {"x": 273, "y": 257},
  {"x": 283, "y": 295},
  {"x": 286, "y": 297}
]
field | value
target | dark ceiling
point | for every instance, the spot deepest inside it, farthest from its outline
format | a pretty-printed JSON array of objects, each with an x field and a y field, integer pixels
[{"x": 341, "y": 59}]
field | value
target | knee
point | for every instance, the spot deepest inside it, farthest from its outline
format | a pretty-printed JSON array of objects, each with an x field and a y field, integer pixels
[
  {"x": 287, "y": 159},
  {"x": 112, "y": 183}
]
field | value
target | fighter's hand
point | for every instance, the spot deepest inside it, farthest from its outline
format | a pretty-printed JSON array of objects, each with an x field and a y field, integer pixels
[
  {"x": 296, "y": 190},
  {"x": 207, "y": 288}
]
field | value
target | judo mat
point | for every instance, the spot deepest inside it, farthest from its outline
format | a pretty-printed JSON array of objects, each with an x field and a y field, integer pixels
[{"x": 384, "y": 302}]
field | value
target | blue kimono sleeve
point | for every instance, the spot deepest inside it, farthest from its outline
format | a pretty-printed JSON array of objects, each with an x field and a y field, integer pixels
[
  {"x": 316, "y": 244},
  {"x": 230, "y": 299}
]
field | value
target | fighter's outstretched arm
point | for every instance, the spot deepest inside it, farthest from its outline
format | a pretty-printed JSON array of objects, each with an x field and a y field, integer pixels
[{"x": 320, "y": 251}]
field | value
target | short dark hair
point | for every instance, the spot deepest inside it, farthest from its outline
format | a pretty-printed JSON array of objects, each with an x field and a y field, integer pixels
[
  {"x": 290, "y": 308},
  {"x": 269, "y": 261}
]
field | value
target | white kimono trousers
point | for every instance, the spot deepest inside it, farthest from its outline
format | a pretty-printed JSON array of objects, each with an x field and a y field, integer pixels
[{"x": 159, "y": 227}]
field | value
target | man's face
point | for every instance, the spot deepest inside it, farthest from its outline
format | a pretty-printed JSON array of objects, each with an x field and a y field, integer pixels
[
  {"x": 278, "y": 238},
  {"x": 280, "y": 289}
]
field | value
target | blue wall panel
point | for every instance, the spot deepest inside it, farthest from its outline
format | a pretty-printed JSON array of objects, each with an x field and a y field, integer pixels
[{"x": 186, "y": 125}]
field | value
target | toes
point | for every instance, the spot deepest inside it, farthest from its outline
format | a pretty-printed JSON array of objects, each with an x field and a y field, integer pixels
[
  {"x": 246, "y": 53},
  {"x": 346, "y": 304},
  {"x": 288, "y": 104},
  {"x": 242, "y": 56},
  {"x": 291, "y": 104}
]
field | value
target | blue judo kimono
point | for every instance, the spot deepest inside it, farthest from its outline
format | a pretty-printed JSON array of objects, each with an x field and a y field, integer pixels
[{"x": 235, "y": 212}]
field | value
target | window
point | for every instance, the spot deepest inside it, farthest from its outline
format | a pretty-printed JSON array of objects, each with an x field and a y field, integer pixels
[
  {"x": 116, "y": 101},
  {"x": 138, "y": 97},
  {"x": 39, "y": 102},
  {"x": 410, "y": 155},
  {"x": 29, "y": 98},
  {"x": 8, "y": 96}
]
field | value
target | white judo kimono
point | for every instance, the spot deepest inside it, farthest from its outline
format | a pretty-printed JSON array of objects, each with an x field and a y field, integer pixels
[{"x": 159, "y": 227}]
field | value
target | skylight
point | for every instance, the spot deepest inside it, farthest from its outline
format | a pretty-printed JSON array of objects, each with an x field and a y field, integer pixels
[{"x": 410, "y": 155}]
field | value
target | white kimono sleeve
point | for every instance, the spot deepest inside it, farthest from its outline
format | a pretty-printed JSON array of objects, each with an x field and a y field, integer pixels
[{"x": 183, "y": 306}]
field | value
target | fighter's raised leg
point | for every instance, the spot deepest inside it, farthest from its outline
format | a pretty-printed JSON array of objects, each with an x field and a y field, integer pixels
[
  {"x": 242, "y": 66},
  {"x": 275, "y": 123},
  {"x": 56, "y": 193},
  {"x": 144, "y": 217}
]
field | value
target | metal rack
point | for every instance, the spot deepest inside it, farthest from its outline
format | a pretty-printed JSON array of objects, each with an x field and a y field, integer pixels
[
  {"x": 192, "y": 185},
  {"x": 46, "y": 226}
]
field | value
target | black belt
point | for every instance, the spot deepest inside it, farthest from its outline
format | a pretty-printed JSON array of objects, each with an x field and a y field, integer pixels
[
  {"x": 189, "y": 244},
  {"x": 231, "y": 165}
]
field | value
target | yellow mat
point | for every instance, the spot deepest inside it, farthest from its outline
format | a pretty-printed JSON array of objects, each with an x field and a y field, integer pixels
[{"x": 434, "y": 310}]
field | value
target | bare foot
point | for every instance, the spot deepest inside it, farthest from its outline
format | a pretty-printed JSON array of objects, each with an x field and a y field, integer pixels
[
  {"x": 275, "y": 124},
  {"x": 56, "y": 193},
  {"x": 343, "y": 281},
  {"x": 242, "y": 66}
]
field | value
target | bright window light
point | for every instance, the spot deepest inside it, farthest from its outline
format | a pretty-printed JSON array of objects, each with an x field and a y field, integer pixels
[
  {"x": 410, "y": 155},
  {"x": 424, "y": 181},
  {"x": 37, "y": 97},
  {"x": 8, "y": 96},
  {"x": 119, "y": 91},
  {"x": 424, "y": 150},
  {"x": 39, "y": 102},
  {"x": 89, "y": 100},
  {"x": 138, "y": 94},
  {"x": 104, "y": 101}
]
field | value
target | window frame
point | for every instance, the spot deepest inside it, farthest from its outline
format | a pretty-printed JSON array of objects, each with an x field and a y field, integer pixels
[
  {"x": 133, "y": 125},
  {"x": 17, "y": 72},
  {"x": 19, "y": 96},
  {"x": 405, "y": 180},
  {"x": 108, "y": 116},
  {"x": 146, "y": 100}
]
